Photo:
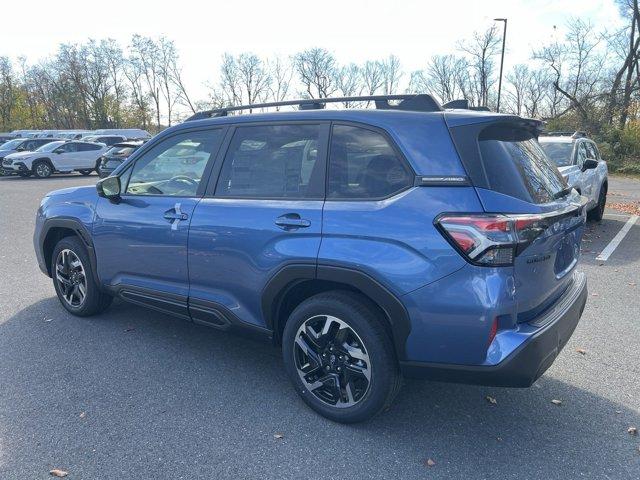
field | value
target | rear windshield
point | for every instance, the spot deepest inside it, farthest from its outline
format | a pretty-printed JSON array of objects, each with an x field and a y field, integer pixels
[
  {"x": 517, "y": 166},
  {"x": 560, "y": 153}
]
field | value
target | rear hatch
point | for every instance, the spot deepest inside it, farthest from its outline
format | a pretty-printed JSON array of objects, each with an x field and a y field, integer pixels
[{"x": 516, "y": 182}]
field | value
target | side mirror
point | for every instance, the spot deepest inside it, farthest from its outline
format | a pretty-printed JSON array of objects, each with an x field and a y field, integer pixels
[
  {"x": 109, "y": 188},
  {"x": 589, "y": 163}
]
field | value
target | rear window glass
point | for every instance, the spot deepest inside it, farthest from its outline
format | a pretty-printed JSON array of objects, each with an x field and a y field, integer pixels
[
  {"x": 517, "y": 166},
  {"x": 560, "y": 153}
]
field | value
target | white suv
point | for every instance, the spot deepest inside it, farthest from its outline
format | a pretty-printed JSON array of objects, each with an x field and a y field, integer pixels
[
  {"x": 579, "y": 162},
  {"x": 59, "y": 156}
]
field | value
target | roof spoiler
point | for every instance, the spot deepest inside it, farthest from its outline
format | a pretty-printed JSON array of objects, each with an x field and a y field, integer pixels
[{"x": 463, "y": 104}]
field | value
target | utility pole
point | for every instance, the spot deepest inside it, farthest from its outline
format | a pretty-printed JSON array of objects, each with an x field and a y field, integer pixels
[{"x": 504, "y": 39}]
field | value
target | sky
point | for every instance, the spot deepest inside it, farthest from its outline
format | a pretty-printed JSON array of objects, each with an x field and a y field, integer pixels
[{"x": 354, "y": 30}]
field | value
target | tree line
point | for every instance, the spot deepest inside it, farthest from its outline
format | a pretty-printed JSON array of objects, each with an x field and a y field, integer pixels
[{"x": 587, "y": 79}]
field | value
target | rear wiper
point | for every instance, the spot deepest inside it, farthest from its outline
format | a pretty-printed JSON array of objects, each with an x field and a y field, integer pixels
[{"x": 562, "y": 193}]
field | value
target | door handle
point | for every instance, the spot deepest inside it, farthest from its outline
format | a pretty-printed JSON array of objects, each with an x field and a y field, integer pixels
[
  {"x": 175, "y": 215},
  {"x": 291, "y": 221}
]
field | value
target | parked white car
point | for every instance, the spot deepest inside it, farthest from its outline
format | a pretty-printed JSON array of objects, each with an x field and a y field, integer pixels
[
  {"x": 59, "y": 156},
  {"x": 580, "y": 163}
]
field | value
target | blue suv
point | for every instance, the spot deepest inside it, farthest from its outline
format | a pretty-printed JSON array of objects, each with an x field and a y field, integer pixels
[{"x": 412, "y": 240}]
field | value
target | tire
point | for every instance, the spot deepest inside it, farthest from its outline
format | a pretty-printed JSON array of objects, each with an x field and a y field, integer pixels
[
  {"x": 42, "y": 169},
  {"x": 86, "y": 173},
  {"x": 68, "y": 276},
  {"x": 597, "y": 212},
  {"x": 360, "y": 343}
]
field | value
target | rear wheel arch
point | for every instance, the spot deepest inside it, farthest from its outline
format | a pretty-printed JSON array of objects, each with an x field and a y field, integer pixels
[{"x": 295, "y": 283}]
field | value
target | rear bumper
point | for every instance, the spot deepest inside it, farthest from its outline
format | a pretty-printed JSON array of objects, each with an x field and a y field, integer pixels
[{"x": 530, "y": 360}]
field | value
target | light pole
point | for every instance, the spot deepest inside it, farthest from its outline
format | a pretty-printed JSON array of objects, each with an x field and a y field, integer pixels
[{"x": 504, "y": 39}]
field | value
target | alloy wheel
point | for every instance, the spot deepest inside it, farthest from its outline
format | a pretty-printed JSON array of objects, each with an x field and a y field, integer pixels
[
  {"x": 43, "y": 170},
  {"x": 332, "y": 361},
  {"x": 71, "y": 278}
]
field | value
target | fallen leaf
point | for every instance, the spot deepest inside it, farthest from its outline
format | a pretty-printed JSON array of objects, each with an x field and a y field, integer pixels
[
  {"x": 491, "y": 400},
  {"x": 499, "y": 439},
  {"x": 630, "y": 208},
  {"x": 632, "y": 284},
  {"x": 632, "y": 431},
  {"x": 430, "y": 463},
  {"x": 48, "y": 319},
  {"x": 556, "y": 402},
  {"x": 594, "y": 294},
  {"x": 278, "y": 435},
  {"x": 56, "y": 472},
  {"x": 618, "y": 412},
  {"x": 83, "y": 414},
  {"x": 129, "y": 329},
  {"x": 581, "y": 351}
]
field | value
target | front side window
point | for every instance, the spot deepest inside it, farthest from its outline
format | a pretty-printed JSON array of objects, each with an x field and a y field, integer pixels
[
  {"x": 362, "y": 164},
  {"x": 582, "y": 154},
  {"x": 175, "y": 165},
  {"x": 273, "y": 161}
]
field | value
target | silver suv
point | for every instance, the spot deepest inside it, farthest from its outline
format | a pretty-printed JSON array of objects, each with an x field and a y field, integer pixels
[{"x": 580, "y": 163}]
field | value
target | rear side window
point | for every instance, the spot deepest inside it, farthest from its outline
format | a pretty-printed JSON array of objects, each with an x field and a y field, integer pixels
[
  {"x": 517, "y": 166},
  {"x": 363, "y": 165},
  {"x": 273, "y": 161}
]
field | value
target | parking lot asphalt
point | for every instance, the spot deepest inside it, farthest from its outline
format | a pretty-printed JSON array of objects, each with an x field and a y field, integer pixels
[{"x": 134, "y": 394}]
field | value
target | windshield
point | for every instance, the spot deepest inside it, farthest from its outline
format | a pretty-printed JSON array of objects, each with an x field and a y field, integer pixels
[
  {"x": 12, "y": 144},
  {"x": 49, "y": 147},
  {"x": 559, "y": 152}
]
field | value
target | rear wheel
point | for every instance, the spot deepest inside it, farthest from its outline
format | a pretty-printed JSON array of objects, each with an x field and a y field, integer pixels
[
  {"x": 340, "y": 357},
  {"x": 85, "y": 172},
  {"x": 597, "y": 213},
  {"x": 42, "y": 169},
  {"x": 74, "y": 281}
]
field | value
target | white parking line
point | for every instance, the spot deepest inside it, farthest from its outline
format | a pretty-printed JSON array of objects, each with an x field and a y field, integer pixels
[{"x": 613, "y": 244}]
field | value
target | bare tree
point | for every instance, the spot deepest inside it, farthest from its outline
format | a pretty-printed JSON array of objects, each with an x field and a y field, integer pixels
[
  {"x": 482, "y": 48},
  {"x": 145, "y": 57},
  {"x": 281, "y": 74},
  {"x": 372, "y": 77},
  {"x": 316, "y": 69},
  {"x": 349, "y": 82},
  {"x": 391, "y": 74}
]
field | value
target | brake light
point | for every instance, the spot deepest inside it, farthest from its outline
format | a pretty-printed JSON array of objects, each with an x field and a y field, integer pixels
[
  {"x": 491, "y": 240},
  {"x": 493, "y": 331}
]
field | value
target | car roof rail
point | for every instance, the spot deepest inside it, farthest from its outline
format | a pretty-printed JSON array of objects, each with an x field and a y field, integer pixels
[{"x": 421, "y": 102}]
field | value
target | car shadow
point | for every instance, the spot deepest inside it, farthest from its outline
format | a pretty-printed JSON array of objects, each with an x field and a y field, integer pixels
[{"x": 141, "y": 395}]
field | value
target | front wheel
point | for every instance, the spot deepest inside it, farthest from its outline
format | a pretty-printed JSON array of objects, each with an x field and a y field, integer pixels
[
  {"x": 340, "y": 357},
  {"x": 42, "y": 169},
  {"x": 74, "y": 281},
  {"x": 597, "y": 212}
]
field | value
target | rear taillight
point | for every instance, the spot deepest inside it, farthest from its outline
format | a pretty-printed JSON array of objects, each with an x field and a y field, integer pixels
[
  {"x": 491, "y": 240},
  {"x": 493, "y": 331}
]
